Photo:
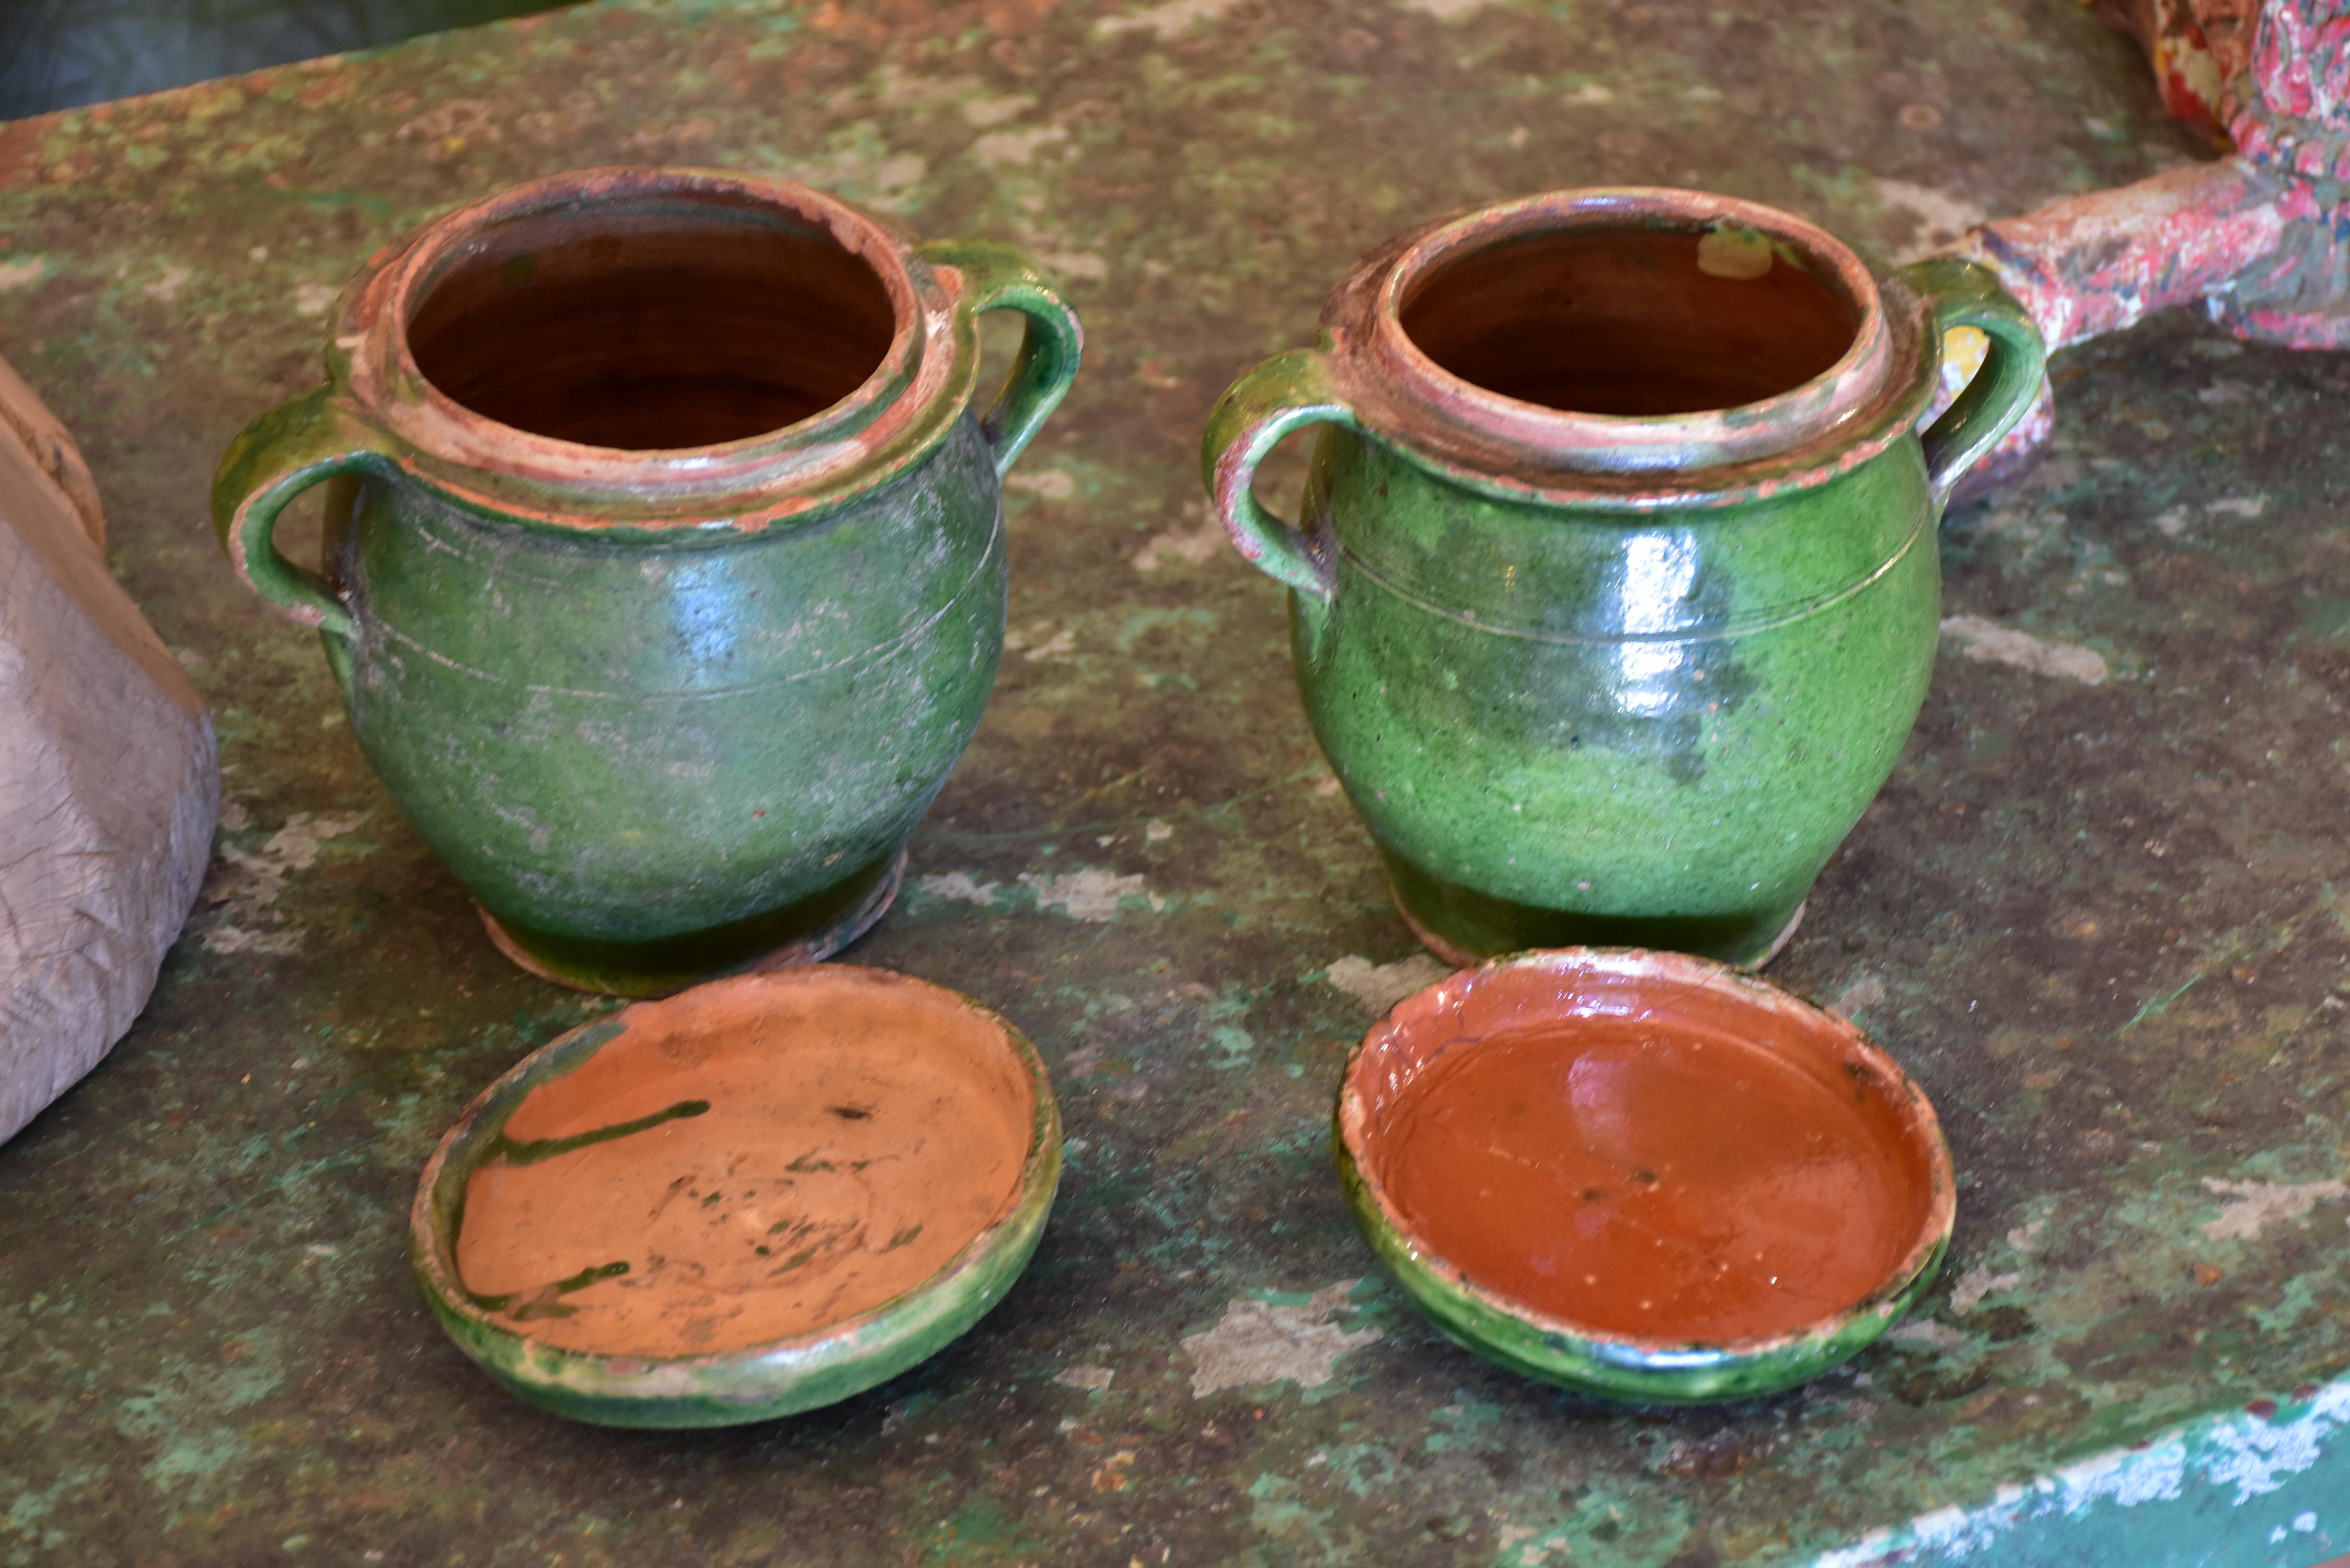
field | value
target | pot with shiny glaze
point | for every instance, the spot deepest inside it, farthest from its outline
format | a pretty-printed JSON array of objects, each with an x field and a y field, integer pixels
[
  {"x": 1615, "y": 593},
  {"x": 664, "y": 553}
]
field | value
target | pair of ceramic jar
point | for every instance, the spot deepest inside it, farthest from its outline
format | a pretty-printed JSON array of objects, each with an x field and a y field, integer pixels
[
  {"x": 665, "y": 583},
  {"x": 665, "y": 562}
]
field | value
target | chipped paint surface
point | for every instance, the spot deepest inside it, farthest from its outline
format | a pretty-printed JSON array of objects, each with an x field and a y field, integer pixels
[
  {"x": 2248, "y": 1206},
  {"x": 2099, "y": 920},
  {"x": 1380, "y": 986},
  {"x": 1258, "y": 1342},
  {"x": 1986, "y": 643},
  {"x": 2101, "y": 1507}
]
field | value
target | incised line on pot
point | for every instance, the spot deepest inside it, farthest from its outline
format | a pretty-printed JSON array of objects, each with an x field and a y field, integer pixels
[
  {"x": 877, "y": 653},
  {"x": 1803, "y": 610}
]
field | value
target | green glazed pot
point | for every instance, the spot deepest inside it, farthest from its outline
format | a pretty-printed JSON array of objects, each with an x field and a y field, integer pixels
[
  {"x": 648, "y": 1058},
  {"x": 1537, "y": 989},
  {"x": 1617, "y": 592},
  {"x": 664, "y": 553}
]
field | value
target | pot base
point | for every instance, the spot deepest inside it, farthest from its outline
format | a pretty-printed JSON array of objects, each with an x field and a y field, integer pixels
[
  {"x": 1464, "y": 928},
  {"x": 806, "y": 932}
]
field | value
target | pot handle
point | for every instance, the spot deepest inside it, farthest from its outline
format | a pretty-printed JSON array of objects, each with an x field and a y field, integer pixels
[
  {"x": 1963, "y": 294},
  {"x": 294, "y": 446},
  {"x": 997, "y": 276},
  {"x": 1287, "y": 392}
]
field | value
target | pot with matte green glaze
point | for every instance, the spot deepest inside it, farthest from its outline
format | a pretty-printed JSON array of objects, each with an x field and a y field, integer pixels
[
  {"x": 664, "y": 553},
  {"x": 1617, "y": 591},
  {"x": 1550, "y": 989}
]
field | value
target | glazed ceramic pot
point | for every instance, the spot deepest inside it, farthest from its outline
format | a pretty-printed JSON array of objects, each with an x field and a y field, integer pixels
[
  {"x": 1615, "y": 591},
  {"x": 764, "y": 1194},
  {"x": 1645, "y": 1176},
  {"x": 665, "y": 562}
]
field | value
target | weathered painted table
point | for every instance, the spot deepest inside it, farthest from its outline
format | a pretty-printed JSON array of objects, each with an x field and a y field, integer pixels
[{"x": 2096, "y": 910}]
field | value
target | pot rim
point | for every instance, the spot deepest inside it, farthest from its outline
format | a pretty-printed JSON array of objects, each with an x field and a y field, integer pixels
[
  {"x": 1922, "y": 1129},
  {"x": 1824, "y": 426},
  {"x": 504, "y": 469},
  {"x": 754, "y": 1375}
]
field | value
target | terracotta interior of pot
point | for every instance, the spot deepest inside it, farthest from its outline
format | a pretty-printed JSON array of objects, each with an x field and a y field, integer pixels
[
  {"x": 651, "y": 323},
  {"x": 1630, "y": 321},
  {"x": 1645, "y": 1159},
  {"x": 747, "y": 1162}
]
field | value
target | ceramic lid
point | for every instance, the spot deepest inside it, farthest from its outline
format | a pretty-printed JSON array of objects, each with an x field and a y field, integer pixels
[{"x": 756, "y": 1196}]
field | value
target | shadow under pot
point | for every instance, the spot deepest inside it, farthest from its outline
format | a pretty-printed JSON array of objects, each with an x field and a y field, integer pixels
[
  {"x": 664, "y": 553},
  {"x": 1616, "y": 592}
]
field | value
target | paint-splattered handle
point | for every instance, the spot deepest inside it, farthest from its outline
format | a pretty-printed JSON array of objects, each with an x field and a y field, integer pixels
[
  {"x": 1287, "y": 392},
  {"x": 1962, "y": 294},
  {"x": 294, "y": 446},
  {"x": 997, "y": 276}
]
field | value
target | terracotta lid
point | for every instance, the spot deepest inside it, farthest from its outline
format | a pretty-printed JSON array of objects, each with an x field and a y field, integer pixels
[
  {"x": 755, "y": 1196},
  {"x": 1643, "y": 1175}
]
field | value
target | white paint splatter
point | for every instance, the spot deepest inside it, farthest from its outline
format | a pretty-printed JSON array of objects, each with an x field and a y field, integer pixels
[
  {"x": 1193, "y": 545},
  {"x": 1089, "y": 895},
  {"x": 1978, "y": 1283},
  {"x": 1986, "y": 642},
  {"x": 1380, "y": 986},
  {"x": 1926, "y": 1332},
  {"x": 257, "y": 879},
  {"x": 2245, "y": 506},
  {"x": 1167, "y": 21},
  {"x": 2251, "y": 1206},
  {"x": 983, "y": 112},
  {"x": 1087, "y": 267},
  {"x": 1940, "y": 216},
  {"x": 896, "y": 172},
  {"x": 1052, "y": 484},
  {"x": 1256, "y": 1342},
  {"x": 959, "y": 887},
  {"x": 1092, "y": 1379},
  {"x": 2171, "y": 523},
  {"x": 1060, "y": 645},
  {"x": 1866, "y": 992},
  {"x": 1008, "y": 149}
]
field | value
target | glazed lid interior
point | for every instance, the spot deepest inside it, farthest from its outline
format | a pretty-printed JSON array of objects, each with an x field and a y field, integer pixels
[
  {"x": 747, "y": 1164},
  {"x": 1649, "y": 343},
  {"x": 1647, "y": 1150}
]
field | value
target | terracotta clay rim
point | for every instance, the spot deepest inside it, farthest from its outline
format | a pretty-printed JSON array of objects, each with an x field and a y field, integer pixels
[
  {"x": 1427, "y": 1007},
  {"x": 1825, "y": 426},
  {"x": 385, "y": 384},
  {"x": 437, "y": 1263}
]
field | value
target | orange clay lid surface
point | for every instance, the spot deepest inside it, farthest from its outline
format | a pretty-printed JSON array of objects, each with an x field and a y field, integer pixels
[
  {"x": 741, "y": 1165},
  {"x": 1648, "y": 1158}
]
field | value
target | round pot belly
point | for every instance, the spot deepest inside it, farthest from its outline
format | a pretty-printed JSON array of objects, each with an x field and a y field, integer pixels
[{"x": 647, "y": 764}]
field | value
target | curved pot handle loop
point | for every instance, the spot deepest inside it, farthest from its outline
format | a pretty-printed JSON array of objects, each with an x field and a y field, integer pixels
[
  {"x": 1963, "y": 294},
  {"x": 1287, "y": 392},
  {"x": 997, "y": 276},
  {"x": 294, "y": 446}
]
